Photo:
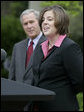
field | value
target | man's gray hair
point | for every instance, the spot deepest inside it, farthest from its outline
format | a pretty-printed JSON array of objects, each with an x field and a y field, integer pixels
[{"x": 27, "y": 11}]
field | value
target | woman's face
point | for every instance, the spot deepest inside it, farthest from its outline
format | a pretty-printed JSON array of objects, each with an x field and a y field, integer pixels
[{"x": 48, "y": 24}]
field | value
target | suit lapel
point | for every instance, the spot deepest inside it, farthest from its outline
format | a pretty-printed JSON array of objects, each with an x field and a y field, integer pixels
[
  {"x": 23, "y": 57},
  {"x": 42, "y": 39},
  {"x": 29, "y": 65},
  {"x": 52, "y": 50},
  {"x": 38, "y": 57},
  {"x": 38, "y": 54},
  {"x": 38, "y": 60}
]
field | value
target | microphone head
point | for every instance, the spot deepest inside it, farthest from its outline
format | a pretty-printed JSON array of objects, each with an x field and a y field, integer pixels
[{"x": 3, "y": 54}]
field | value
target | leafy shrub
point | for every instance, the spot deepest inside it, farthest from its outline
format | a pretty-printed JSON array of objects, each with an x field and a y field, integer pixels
[{"x": 11, "y": 32}]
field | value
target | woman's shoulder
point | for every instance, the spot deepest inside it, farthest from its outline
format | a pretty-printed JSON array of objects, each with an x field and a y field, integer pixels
[{"x": 68, "y": 43}]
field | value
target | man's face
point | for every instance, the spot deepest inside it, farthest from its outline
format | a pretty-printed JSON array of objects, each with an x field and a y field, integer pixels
[{"x": 30, "y": 25}]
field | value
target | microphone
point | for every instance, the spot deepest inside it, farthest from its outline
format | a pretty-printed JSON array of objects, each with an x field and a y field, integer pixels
[{"x": 3, "y": 54}]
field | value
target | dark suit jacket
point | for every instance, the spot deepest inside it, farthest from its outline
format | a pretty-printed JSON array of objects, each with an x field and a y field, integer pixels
[
  {"x": 61, "y": 71},
  {"x": 17, "y": 67}
]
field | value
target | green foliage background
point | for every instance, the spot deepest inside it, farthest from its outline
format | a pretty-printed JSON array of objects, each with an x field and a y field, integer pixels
[{"x": 12, "y": 32}]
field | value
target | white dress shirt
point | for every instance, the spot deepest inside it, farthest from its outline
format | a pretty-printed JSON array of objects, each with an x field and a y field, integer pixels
[{"x": 35, "y": 41}]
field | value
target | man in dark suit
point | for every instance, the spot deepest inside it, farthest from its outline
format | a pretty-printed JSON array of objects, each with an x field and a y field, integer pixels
[{"x": 18, "y": 71}]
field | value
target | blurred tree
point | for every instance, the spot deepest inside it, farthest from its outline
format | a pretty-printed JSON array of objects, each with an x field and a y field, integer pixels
[
  {"x": 11, "y": 29},
  {"x": 11, "y": 32},
  {"x": 17, "y": 7},
  {"x": 76, "y": 29},
  {"x": 13, "y": 7},
  {"x": 73, "y": 8},
  {"x": 5, "y": 8}
]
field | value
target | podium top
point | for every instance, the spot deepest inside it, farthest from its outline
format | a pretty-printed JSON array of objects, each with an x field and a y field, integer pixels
[{"x": 13, "y": 91}]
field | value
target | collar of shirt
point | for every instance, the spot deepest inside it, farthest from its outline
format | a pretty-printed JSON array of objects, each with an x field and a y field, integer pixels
[
  {"x": 35, "y": 40},
  {"x": 57, "y": 44}
]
